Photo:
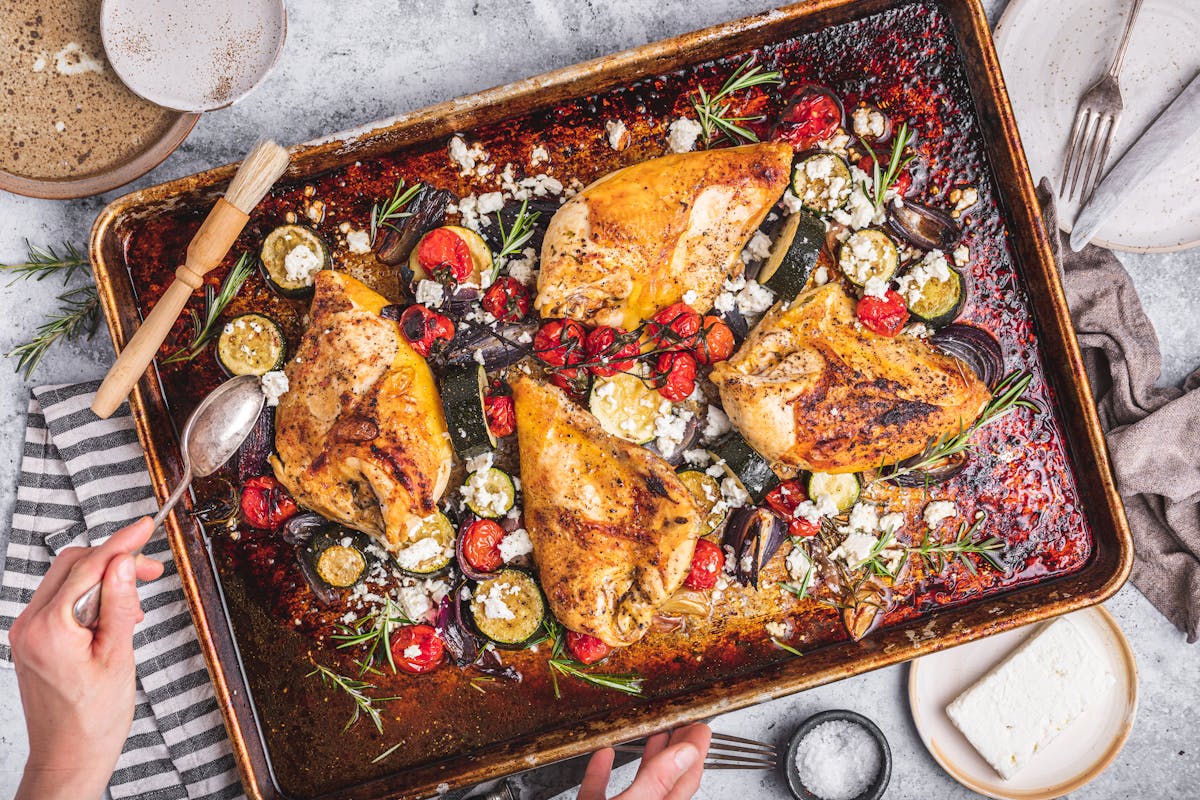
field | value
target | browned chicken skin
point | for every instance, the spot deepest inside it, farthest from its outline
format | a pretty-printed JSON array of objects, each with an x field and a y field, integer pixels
[
  {"x": 811, "y": 389},
  {"x": 636, "y": 240},
  {"x": 613, "y": 528},
  {"x": 360, "y": 436}
]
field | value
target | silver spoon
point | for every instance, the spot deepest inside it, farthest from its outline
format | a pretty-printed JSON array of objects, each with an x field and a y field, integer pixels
[{"x": 213, "y": 433}]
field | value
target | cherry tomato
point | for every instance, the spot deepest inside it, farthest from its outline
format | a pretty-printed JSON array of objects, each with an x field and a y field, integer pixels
[
  {"x": 501, "y": 414},
  {"x": 883, "y": 315},
  {"x": 901, "y": 184},
  {"x": 425, "y": 329},
  {"x": 417, "y": 649},
  {"x": 265, "y": 503},
  {"x": 715, "y": 342},
  {"x": 443, "y": 254},
  {"x": 481, "y": 545},
  {"x": 561, "y": 343},
  {"x": 707, "y": 563},
  {"x": 507, "y": 300},
  {"x": 587, "y": 649},
  {"x": 812, "y": 116},
  {"x": 675, "y": 327},
  {"x": 783, "y": 500},
  {"x": 676, "y": 373},
  {"x": 616, "y": 348}
]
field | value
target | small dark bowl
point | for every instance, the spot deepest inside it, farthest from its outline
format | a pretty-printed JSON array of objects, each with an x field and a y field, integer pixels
[{"x": 872, "y": 792}]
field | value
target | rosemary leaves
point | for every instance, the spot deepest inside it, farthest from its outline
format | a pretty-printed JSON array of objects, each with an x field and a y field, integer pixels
[
  {"x": 215, "y": 303},
  {"x": 882, "y": 181},
  {"x": 383, "y": 215},
  {"x": 356, "y": 690},
  {"x": 716, "y": 113},
  {"x": 374, "y": 632}
]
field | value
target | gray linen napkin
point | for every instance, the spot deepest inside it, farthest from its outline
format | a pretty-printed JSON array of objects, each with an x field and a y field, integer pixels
[{"x": 1153, "y": 432}]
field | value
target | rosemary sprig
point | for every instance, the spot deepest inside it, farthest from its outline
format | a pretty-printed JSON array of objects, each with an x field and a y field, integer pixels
[
  {"x": 373, "y": 631},
  {"x": 875, "y": 561},
  {"x": 1007, "y": 397},
  {"x": 383, "y": 215},
  {"x": 215, "y": 303},
  {"x": 881, "y": 182},
  {"x": 387, "y": 752},
  {"x": 356, "y": 689},
  {"x": 713, "y": 111},
  {"x": 938, "y": 555},
  {"x": 513, "y": 239},
  {"x": 78, "y": 315},
  {"x": 800, "y": 590},
  {"x": 785, "y": 646},
  {"x": 41, "y": 262},
  {"x": 561, "y": 664}
]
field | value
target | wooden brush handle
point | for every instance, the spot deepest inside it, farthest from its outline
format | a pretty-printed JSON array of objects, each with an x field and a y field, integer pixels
[{"x": 206, "y": 250}]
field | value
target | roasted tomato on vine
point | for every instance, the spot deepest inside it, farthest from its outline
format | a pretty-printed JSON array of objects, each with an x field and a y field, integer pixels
[
  {"x": 481, "y": 545},
  {"x": 507, "y": 300},
  {"x": 501, "y": 414},
  {"x": 784, "y": 499},
  {"x": 266, "y": 504},
  {"x": 611, "y": 350},
  {"x": 675, "y": 374},
  {"x": 443, "y": 254},
  {"x": 562, "y": 343},
  {"x": 674, "y": 327},
  {"x": 885, "y": 315},
  {"x": 707, "y": 563},
  {"x": 812, "y": 116},
  {"x": 417, "y": 649},
  {"x": 587, "y": 649},
  {"x": 715, "y": 341},
  {"x": 425, "y": 329}
]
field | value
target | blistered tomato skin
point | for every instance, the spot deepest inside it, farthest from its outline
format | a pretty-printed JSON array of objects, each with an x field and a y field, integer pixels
[
  {"x": 714, "y": 342},
  {"x": 814, "y": 115},
  {"x": 676, "y": 375},
  {"x": 587, "y": 649},
  {"x": 417, "y": 649},
  {"x": 507, "y": 300},
  {"x": 481, "y": 545},
  {"x": 784, "y": 499},
  {"x": 501, "y": 415},
  {"x": 885, "y": 315},
  {"x": 443, "y": 253},
  {"x": 425, "y": 330},
  {"x": 707, "y": 563},
  {"x": 266, "y": 504},
  {"x": 675, "y": 327},
  {"x": 611, "y": 350}
]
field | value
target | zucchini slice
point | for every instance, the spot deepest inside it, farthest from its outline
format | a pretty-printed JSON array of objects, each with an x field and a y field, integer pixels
[
  {"x": 937, "y": 301},
  {"x": 626, "y": 407},
  {"x": 463, "y": 389},
  {"x": 707, "y": 491},
  {"x": 337, "y": 556},
  {"x": 490, "y": 492},
  {"x": 822, "y": 182},
  {"x": 793, "y": 255},
  {"x": 745, "y": 464},
  {"x": 843, "y": 489},
  {"x": 431, "y": 545},
  {"x": 509, "y": 609},
  {"x": 251, "y": 344},
  {"x": 290, "y": 256},
  {"x": 481, "y": 256},
  {"x": 866, "y": 254}
]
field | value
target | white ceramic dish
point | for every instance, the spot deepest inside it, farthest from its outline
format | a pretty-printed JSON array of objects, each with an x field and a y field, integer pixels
[
  {"x": 1051, "y": 52},
  {"x": 193, "y": 56},
  {"x": 1075, "y": 757}
]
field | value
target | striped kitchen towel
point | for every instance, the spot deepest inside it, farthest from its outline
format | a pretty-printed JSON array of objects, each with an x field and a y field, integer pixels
[{"x": 82, "y": 478}]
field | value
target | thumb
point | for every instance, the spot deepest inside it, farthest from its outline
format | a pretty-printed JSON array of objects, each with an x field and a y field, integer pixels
[
  {"x": 659, "y": 775},
  {"x": 119, "y": 609}
]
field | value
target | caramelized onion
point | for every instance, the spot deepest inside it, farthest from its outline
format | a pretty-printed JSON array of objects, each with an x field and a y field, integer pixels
[
  {"x": 975, "y": 347},
  {"x": 754, "y": 535},
  {"x": 925, "y": 227}
]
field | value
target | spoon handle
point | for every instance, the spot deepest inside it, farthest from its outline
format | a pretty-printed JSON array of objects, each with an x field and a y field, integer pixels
[{"x": 87, "y": 608}]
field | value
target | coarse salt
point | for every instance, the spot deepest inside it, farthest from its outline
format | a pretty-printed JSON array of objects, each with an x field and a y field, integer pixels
[{"x": 838, "y": 760}]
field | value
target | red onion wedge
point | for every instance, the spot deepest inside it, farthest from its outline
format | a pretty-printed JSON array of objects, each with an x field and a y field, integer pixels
[
  {"x": 925, "y": 227},
  {"x": 975, "y": 347}
]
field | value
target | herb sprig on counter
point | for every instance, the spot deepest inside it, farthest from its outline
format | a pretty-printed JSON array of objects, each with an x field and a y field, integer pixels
[
  {"x": 714, "y": 112},
  {"x": 374, "y": 632},
  {"x": 78, "y": 316},
  {"x": 882, "y": 181},
  {"x": 383, "y": 215},
  {"x": 562, "y": 664},
  {"x": 41, "y": 262},
  {"x": 356, "y": 690},
  {"x": 215, "y": 303},
  {"x": 938, "y": 555}
]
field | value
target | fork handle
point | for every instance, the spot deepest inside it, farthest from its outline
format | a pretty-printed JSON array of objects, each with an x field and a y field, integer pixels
[{"x": 1119, "y": 59}]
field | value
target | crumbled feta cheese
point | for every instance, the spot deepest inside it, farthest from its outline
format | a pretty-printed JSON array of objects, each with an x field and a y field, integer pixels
[
  {"x": 875, "y": 287},
  {"x": 412, "y": 651},
  {"x": 492, "y": 600},
  {"x": 466, "y": 157},
  {"x": 854, "y": 549},
  {"x": 358, "y": 241},
  {"x": 479, "y": 496},
  {"x": 821, "y": 275},
  {"x": 778, "y": 630},
  {"x": 939, "y": 510},
  {"x": 274, "y": 386},
  {"x": 524, "y": 268},
  {"x": 618, "y": 134},
  {"x": 670, "y": 428},
  {"x": 798, "y": 563},
  {"x": 716, "y": 423},
  {"x": 890, "y": 523},
  {"x": 932, "y": 267},
  {"x": 301, "y": 264},
  {"x": 414, "y": 602},
  {"x": 515, "y": 544},
  {"x": 864, "y": 517},
  {"x": 859, "y": 211},
  {"x": 758, "y": 248},
  {"x": 791, "y": 203},
  {"x": 820, "y": 185},
  {"x": 490, "y": 203},
  {"x": 480, "y": 462},
  {"x": 697, "y": 457},
  {"x": 868, "y": 122},
  {"x": 419, "y": 552},
  {"x": 917, "y": 329},
  {"x": 861, "y": 256},
  {"x": 430, "y": 293},
  {"x": 690, "y": 297},
  {"x": 749, "y": 297},
  {"x": 682, "y": 135},
  {"x": 539, "y": 155},
  {"x": 734, "y": 495},
  {"x": 961, "y": 255}
]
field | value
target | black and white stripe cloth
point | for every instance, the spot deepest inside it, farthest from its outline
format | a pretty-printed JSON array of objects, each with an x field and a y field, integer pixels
[{"x": 88, "y": 476}]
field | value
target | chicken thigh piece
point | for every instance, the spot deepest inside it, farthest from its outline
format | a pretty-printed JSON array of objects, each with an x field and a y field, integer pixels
[
  {"x": 638, "y": 239},
  {"x": 612, "y": 526},
  {"x": 811, "y": 389},
  {"x": 359, "y": 435}
]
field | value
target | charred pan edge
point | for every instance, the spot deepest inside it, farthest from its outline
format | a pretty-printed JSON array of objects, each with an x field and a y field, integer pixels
[{"x": 1104, "y": 574}]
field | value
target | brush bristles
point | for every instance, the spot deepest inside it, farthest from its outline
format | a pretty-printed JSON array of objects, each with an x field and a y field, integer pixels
[{"x": 257, "y": 175}]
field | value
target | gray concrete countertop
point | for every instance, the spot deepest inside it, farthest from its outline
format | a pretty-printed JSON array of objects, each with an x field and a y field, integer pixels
[{"x": 349, "y": 63}]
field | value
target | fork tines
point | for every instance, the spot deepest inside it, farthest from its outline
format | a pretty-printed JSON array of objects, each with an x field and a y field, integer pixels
[{"x": 728, "y": 752}]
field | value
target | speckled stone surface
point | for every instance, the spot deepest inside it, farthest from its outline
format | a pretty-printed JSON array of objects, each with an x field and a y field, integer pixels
[{"x": 349, "y": 63}]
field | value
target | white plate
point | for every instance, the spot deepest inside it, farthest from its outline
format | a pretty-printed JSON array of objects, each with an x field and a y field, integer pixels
[
  {"x": 193, "y": 56},
  {"x": 1078, "y": 755},
  {"x": 1051, "y": 52}
]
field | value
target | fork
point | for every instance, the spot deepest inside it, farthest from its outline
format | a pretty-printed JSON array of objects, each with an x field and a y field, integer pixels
[
  {"x": 727, "y": 752},
  {"x": 1096, "y": 122}
]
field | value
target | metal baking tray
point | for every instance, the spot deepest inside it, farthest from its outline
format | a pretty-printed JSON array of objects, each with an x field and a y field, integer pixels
[{"x": 284, "y": 729}]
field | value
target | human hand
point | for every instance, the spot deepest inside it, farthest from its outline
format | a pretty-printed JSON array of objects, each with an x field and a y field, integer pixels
[
  {"x": 77, "y": 685},
  {"x": 670, "y": 770}
]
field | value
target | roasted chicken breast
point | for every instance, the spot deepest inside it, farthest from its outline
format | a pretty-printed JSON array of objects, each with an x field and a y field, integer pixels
[
  {"x": 813, "y": 390},
  {"x": 612, "y": 526},
  {"x": 359, "y": 435},
  {"x": 636, "y": 240}
]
